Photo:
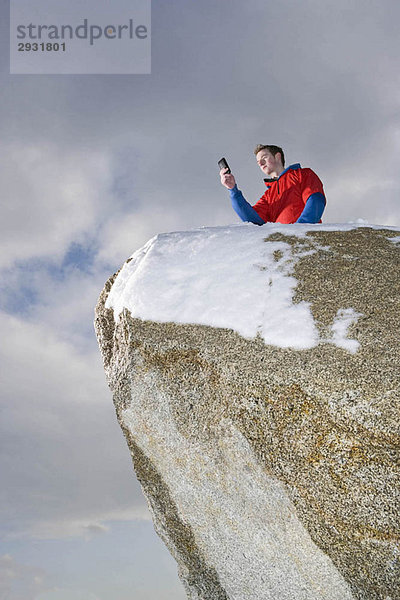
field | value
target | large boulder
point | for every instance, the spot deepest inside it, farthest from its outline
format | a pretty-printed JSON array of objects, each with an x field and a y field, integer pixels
[{"x": 259, "y": 395}]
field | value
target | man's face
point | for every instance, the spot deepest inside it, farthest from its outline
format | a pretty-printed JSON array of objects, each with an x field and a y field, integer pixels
[{"x": 267, "y": 162}]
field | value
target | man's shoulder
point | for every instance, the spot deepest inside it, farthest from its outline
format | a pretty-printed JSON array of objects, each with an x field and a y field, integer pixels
[
  {"x": 306, "y": 174},
  {"x": 307, "y": 171}
]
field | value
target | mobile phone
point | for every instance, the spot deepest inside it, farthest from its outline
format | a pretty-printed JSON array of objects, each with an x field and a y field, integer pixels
[{"x": 223, "y": 165}]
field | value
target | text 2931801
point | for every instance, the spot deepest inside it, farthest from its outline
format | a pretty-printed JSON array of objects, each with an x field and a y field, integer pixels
[{"x": 42, "y": 47}]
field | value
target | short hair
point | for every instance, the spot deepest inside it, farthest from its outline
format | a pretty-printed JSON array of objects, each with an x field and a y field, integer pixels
[{"x": 271, "y": 148}]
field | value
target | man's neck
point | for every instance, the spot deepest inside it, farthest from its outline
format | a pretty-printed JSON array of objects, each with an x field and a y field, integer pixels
[
  {"x": 275, "y": 174},
  {"x": 278, "y": 171}
]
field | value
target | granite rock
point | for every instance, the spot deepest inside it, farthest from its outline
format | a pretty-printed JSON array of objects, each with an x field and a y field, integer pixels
[{"x": 273, "y": 473}]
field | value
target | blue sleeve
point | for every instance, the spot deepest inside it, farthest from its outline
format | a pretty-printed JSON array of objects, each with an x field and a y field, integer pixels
[
  {"x": 313, "y": 209},
  {"x": 245, "y": 211}
]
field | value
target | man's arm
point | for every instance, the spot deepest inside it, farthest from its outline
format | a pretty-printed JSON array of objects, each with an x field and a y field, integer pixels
[
  {"x": 313, "y": 209},
  {"x": 244, "y": 210},
  {"x": 313, "y": 197}
]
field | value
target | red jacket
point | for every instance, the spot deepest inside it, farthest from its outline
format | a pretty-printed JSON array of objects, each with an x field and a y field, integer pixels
[{"x": 286, "y": 196}]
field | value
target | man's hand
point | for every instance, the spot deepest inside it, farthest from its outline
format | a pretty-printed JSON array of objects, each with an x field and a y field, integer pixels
[{"x": 227, "y": 179}]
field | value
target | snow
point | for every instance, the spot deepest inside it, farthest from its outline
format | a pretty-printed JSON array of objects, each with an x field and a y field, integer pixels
[
  {"x": 344, "y": 318},
  {"x": 230, "y": 277},
  {"x": 395, "y": 240}
]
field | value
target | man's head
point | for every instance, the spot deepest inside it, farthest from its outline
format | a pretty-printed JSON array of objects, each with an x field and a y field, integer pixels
[{"x": 270, "y": 159}]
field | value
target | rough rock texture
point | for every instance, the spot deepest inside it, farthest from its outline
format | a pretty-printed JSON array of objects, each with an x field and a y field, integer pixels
[{"x": 273, "y": 473}]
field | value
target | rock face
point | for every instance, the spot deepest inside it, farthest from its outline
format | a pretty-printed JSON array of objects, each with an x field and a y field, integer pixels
[{"x": 273, "y": 473}]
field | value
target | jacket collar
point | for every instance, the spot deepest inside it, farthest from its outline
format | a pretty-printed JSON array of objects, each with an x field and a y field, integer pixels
[{"x": 293, "y": 167}]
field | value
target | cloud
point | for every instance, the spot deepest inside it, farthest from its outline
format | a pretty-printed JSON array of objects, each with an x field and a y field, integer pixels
[
  {"x": 64, "y": 461},
  {"x": 94, "y": 529},
  {"x": 67, "y": 594},
  {"x": 53, "y": 197},
  {"x": 19, "y": 581},
  {"x": 90, "y": 524}
]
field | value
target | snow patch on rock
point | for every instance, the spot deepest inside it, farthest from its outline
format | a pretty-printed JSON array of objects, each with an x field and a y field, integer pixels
[
  {"x": 345, "y": 317},
  {"x": 232, "y": 277}
]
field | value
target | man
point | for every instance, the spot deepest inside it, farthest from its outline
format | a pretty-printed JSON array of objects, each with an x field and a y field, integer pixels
[{"x": 293, "y": 195}]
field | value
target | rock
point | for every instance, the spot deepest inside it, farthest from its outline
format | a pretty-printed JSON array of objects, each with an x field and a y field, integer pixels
[{"x": 273, "y": 472}]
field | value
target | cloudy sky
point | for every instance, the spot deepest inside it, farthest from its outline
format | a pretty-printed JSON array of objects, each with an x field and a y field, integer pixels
[{"x": 91, "y": 168}]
